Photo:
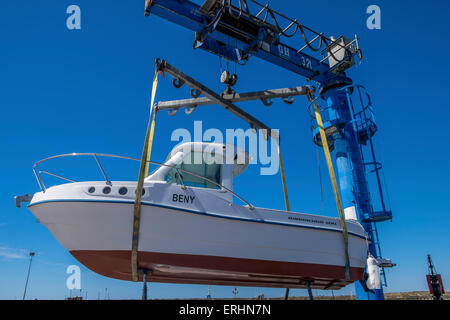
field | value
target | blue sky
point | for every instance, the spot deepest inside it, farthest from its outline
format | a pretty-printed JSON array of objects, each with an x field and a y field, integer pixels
[{"x": 88, "y": 90}]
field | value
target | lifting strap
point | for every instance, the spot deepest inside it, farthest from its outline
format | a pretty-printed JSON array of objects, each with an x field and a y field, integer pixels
[
  {"x": 286, "y": 198},
  {"x": 326, "y": 149},
  {"x": 153, "y": 112},
  {"x": 143, "y": 171},
  {"x": 283, "y": 177}
]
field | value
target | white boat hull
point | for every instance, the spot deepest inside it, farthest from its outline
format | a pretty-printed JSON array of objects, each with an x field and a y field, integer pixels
[{"x": 181, "y": 242}]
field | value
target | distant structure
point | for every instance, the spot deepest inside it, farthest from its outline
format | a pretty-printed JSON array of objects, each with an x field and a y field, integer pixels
[
  {"x": 434, "y": 280},
  {"x": 208, "y": 297},
  {"x": 28, "y": 275}
]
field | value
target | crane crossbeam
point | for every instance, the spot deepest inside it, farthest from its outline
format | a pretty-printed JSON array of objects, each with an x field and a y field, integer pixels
[
  {"x": 239, "y": 38},
  {"x": 254, "y": 123},
  {"x": 266, "y": 96}
]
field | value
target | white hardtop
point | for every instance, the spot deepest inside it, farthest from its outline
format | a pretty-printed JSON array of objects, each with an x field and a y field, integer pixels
[
  {"x": 228, "y": 154},
  {"x": 215, "y": 161}
]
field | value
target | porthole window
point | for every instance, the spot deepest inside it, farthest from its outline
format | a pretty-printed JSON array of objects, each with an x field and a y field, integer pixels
[
  {"x": 91, "y": 190},
  {"x": 143, "y": 191},
  {"x": 123, "y": 191},
  {"x": 106, "y": 190}
]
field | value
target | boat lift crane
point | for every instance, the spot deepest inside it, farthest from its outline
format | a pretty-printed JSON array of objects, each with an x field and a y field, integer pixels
[
  {"x": 434, "y": 281},
  {"x": 235, "y": 34}
]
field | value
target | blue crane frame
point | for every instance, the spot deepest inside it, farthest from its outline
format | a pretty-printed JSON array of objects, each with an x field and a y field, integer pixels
[{"x": 216, "y": 36}]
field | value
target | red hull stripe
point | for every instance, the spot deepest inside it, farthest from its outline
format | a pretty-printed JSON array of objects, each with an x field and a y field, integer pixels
[{"x": 199, "y": 269}]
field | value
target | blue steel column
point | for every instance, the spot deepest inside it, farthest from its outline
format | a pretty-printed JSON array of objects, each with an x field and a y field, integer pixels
[{"x": 351, "y": 172}]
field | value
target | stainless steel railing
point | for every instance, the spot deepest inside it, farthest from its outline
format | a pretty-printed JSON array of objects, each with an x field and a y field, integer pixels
[{"x": 96, "y": 156}]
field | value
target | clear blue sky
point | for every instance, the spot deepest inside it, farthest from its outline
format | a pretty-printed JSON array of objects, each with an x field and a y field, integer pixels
[{"x": 88, "y": 90}]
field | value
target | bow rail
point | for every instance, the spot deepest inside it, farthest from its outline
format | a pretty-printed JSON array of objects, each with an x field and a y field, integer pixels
[{"x": 108, "y": 181}]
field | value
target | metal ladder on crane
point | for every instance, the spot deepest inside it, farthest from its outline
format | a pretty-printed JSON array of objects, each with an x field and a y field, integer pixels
[{"x": 366, "y": 125}]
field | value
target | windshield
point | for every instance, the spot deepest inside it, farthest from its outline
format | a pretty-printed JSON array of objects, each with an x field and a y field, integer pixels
[{"x": 201, "y": 166}]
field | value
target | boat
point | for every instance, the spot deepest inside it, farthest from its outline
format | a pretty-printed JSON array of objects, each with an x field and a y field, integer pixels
[{"x": 192, "y": 230}]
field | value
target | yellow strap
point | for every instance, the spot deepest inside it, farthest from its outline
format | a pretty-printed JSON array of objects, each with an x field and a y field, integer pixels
[
  {"x": 326, "y": 149},
  {"x": 143, "y": 171},
  {"x": 152, "y": 129},
  {"x": 283, "y": 177}
]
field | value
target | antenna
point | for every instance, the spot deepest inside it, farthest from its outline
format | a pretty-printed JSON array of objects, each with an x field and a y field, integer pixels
[{"x": 28, "y": 275}]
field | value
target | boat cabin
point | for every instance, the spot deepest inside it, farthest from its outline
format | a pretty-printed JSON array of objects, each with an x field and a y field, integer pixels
[{"x": 213, "y": 165}]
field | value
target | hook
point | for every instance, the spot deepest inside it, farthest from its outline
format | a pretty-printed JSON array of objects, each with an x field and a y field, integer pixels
[
  {"x": 288, "y": 100},
  {"x": 195, "y": 93},
  {"x": 189, "y": 110},
  {"x": 172, "y": 112},
  {"x": 177, "y": 83},
  {"x": 267, "y": 102}
]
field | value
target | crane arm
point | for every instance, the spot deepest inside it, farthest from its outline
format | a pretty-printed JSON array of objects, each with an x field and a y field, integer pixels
[{"x": 236, "y": 35}]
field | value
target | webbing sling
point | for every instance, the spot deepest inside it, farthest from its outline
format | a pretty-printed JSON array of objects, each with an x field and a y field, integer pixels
[
  {"x": 326, "y": 149},
  {"x": 153, "y": 111},
  {"x": 143, "y": 171},
  {"x": 283, "y": 178}
]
